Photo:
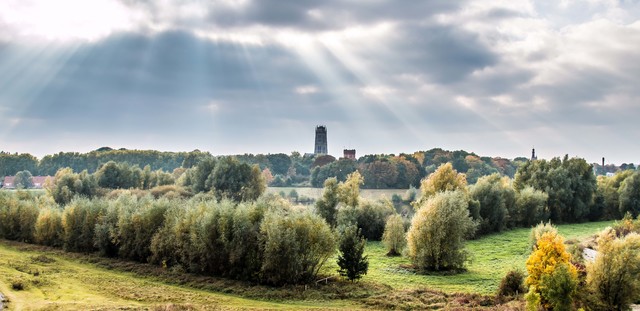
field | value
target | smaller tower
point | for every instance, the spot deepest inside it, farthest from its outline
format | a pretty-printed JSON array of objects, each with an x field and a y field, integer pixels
[{"x": 350, "y": 154}]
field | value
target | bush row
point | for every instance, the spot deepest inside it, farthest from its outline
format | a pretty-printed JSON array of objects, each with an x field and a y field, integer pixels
[{"x": 266, "y": 241}]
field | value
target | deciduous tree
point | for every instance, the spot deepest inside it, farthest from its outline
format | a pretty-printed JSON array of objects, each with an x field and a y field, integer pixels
[{"x": 438, "y": 230}]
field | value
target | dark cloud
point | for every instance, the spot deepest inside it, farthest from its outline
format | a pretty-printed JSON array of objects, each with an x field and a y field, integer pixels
[{"x": 306, "y": 15}]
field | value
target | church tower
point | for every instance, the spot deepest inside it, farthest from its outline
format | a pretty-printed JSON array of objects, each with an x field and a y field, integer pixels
[
  {"x": 533, "y": 154},
  {"x": 321, "y": 140}
]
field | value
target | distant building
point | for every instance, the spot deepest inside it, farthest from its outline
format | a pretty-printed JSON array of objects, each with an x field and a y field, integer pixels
[
  {"x": 8, "y": 182},
  {"x": 350, "y": 154},
  {"x": 37, "y": 181},
  {"x": 321, "y": 140}
]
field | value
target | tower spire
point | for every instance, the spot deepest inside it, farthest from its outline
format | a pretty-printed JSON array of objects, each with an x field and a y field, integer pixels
[{"x": 533, "y": 154}]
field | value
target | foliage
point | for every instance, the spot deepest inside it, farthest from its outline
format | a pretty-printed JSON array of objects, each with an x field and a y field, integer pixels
[
  {"x": 496, "y": 200},
  {"x": 570, "y": 184},
  {"x": 530, "y": 206},
  {"x": 197, "y": 177},
  {"x": 295, "y": 245},
  {"x": 381, "y": 174},
  {"x": 548, "y": 255},
  {"x": 66, "y": 184},
  {"x": 371, "y": 217},
  {"x": 537, "y": 232},
  {"x": 10, "y": 164},
  {"x": 352, "y": 262},
  {"x": 630, "y": 195},
  {"x": 445, "y": 178},
  {"x": 279, "y": 163},
  {"x": 394, "y": 236},
  {"x": 138, "y": 220},
  {"x": 349, "y": 190},
  {"x": 17, "y": 217},
  {"x": 512, "y": 284},
  {"x": 339, "y": 169},
  {"x": 79, "y": 221},
  {"x": 627, "y": 225},
  {"x": 533, "y": 299},
  {"x": 48, "y": 227},
  {"x": 236, "y": 181},
  {"x": 614, "y": 276},
  {"x": 23, "y": 180},
  {"x": 264, "y": 241},
  {"x": 436, "y": 237},
  {"x": 119, "y": 176},
  {"x": 559, "y": 287},
  {"x": 326, "y": 206},
  {"x": 608, "y": 192}
]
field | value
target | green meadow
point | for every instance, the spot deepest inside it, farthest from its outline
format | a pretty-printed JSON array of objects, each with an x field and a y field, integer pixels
[{"x": 51, "y": 279}]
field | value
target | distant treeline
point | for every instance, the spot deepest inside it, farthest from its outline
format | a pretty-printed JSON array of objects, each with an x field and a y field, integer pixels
[
  {"x": 10, "y": 164},
  {"x": 383, "y": 171}
]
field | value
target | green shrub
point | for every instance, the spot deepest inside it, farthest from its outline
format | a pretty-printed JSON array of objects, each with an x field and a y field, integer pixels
[
  {"x": 394, "y": 238},
  {"x": 559, "y": 287},
  {"x": 296, "y": 245},
  {"x": 614, "y": 276},
  {"x": 18, "y": 284},
  {"x": 48, "y": 227},
  {"x": 437, "y": 233},
  {"x": 326, "y": 206},
  {"x": 531, "y": 206},
  {"x": 512, "y": 284},
  {"x": 17, "y": 217},
  {"x": 372, "y": 216},
  {"x": 533, "y": 299},
  {"x": 137, "y": 222},
  {"x": 496, "y": 200},
  {"x": 79, "y": 221}
]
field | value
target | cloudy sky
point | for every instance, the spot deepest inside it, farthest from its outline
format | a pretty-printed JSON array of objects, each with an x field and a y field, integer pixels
[{"x": 384, "y": 76}]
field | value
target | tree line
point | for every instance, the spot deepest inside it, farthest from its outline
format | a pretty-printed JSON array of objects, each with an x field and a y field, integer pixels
[{"x": 380, "y": 171}]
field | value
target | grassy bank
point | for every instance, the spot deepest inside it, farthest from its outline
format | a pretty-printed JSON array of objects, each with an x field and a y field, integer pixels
[{"x": 53, "y": 279}]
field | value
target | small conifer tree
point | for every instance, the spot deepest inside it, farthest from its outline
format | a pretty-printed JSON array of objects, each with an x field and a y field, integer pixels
[{"x": 352, "y": 262}]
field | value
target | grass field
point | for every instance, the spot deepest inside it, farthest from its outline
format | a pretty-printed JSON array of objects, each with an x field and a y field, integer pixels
[
  {"x": 56, "y": 280},
  {"x": 492, "y": 256}
]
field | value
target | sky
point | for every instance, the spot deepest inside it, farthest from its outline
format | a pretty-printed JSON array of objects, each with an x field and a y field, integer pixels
[{"x": 385, "y": 76}]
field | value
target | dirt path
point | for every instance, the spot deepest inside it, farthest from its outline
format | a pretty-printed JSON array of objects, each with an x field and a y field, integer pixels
[{"x": 1, "y": 301}]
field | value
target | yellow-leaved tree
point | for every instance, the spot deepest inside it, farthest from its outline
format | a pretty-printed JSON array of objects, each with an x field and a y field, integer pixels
[{"x": 548, "y": 256}]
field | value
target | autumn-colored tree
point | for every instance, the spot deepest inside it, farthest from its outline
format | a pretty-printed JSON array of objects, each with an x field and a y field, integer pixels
[
  {"x": 445, "y": 178},
  {"x": 349, "y": 190},
  {"x": 267, "y": 175},
  {"x": 547, "y": 256}
]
